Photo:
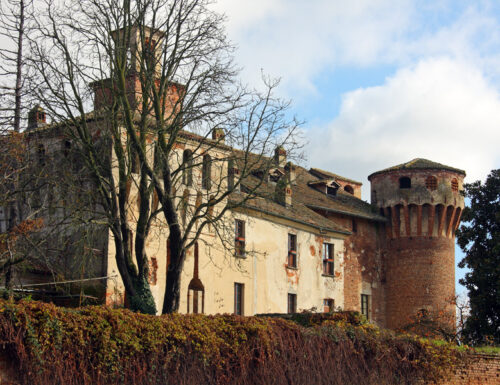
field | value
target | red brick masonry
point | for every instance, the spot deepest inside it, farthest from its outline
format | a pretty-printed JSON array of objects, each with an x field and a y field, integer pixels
[{"x": 483, "y": 370}]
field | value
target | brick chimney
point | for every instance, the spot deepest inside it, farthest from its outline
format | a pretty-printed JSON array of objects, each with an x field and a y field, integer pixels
[
  {"x": 280, "y": 156},
  {"x": 36, "y": 117},
  {"x": 218, "y": 135},
  {"x": 283, "y": 191},
  {"x": 290, "y": 172}
]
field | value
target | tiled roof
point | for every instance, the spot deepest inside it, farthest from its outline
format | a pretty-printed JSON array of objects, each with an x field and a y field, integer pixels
[
  {"x": 306, "y": 200},
  {"x": 419, "y": 164},
  {"x": 327, "y": 174}
]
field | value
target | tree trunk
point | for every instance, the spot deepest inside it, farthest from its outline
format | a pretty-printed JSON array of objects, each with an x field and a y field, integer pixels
[
  {"x": 143, "y": 300},
  {"x": 172, "y": 298},
  {"x": 19, "y": 64}
]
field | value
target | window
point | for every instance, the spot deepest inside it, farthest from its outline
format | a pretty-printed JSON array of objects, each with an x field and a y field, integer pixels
[
  {"x": 404, "y": 182},
  {"x": 292, "y": 250},
  {"x": 66, "y": 148},
  {"x": 431, "y": 183},
  {"x": 328, "y": 305},
  {"x": 239, "y": 238},
  {"x": 327, "y": 258},
  {"x": 349, "y": 189},
  {"x": 292, "y": 303},
  {"x": 239, "y": 293},
  {"x": 41, "y": 155},
  {"x": 187, "y": 165},
  {"x": 331, "y": 190},
  {"x": 454, "y": 185},
  {"x": 206, "y": 172},
  {"x": 354, "y": 226},
  {"x": 365, "y": 305}
]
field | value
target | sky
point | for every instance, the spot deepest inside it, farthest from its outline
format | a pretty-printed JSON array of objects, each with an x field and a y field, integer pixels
[{"x": 380, "y": 82}]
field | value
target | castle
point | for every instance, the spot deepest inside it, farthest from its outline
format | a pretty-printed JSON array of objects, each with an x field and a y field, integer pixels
[{"x": 312, "y": 243}]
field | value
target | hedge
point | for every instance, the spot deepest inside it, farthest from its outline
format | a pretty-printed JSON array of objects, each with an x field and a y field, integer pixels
[{"x": 101, "y": 345}]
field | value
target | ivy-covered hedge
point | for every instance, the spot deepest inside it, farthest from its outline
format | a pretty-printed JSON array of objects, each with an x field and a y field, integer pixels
[{"x": 100, "y": 345}]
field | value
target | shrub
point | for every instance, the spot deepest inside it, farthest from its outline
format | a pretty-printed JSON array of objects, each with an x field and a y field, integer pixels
[{"x": 100, "y": 345}]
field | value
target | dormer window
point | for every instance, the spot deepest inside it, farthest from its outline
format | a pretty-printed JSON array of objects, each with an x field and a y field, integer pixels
[
  {"x": 326, "y": 186},
  {"x": 331, "y": 190}
]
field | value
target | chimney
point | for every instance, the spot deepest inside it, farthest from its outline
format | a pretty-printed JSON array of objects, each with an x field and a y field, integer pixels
[
  {"x": 218, "y": 135},
  {"x": 280, "y": 156},
  {"x": 283, "y": 191},
  {"x": 36, "y": 117},
  {"x": 290, "y": 172}
]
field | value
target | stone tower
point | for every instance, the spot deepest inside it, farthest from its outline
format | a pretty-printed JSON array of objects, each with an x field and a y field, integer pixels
[{"x": 422, "y": 203}]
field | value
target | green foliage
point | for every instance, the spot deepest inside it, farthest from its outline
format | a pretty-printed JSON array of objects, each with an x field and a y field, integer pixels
[
  {"x": 100, "y": 345},
  {"x": 479, "y": 238}
]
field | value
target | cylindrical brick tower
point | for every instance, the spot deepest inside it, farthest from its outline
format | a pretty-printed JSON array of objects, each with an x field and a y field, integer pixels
[{"x": 422, "y": 203}]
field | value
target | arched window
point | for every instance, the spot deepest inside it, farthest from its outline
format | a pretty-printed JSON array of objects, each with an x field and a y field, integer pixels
[
  {"x": 187, "y": 165},
  {"x": 431, "y": 183},
  {"x": 206, "y": 172},
  {"x": 349, "y": 189},
  {"x": 454, "y": 185},
  {"x": 404, "y": 182}
]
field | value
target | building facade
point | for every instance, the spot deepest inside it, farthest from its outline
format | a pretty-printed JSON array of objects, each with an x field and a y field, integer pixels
[{"x": 310, "y": 243}]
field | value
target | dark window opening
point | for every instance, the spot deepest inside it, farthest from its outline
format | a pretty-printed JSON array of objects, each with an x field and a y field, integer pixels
[
  {"x": 328, "y": 266},
  {"x": 349, "y": 189},
  {"x": 66, "y": 148},
  {"x": 239, "y": 238},
  {"x": 292, "y": 250},
  {"x": 354, "y": 226},
  {"x": 404, "y": 182},
  {"x": 292, "y": 303},
  {"x": 331, "y": 190},
  {"x": 239, "y": 292},
  {"x": 41, "y": 155}
]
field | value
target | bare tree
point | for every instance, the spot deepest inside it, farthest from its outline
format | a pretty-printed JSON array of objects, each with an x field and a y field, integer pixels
[
  {"x": 167, "y": 104},
  {"x": 14, "y": 27}
]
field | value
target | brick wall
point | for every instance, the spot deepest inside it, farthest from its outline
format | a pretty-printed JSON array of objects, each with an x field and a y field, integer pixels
[{"x": 482, "y": 370}]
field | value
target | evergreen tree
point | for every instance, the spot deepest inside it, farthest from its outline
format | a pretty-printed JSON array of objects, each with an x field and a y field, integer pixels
[{"x": 479, "y": 238}]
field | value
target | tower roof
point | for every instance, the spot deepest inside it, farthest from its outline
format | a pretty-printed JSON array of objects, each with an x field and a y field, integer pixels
[{"x": 419, "y": 164}]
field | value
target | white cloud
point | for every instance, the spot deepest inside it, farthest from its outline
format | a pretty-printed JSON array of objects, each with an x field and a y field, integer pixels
[
  {"x": 295, "y": 40},
  {"x": 440, "y": 109},
  {"x": 298, "y": 40}
]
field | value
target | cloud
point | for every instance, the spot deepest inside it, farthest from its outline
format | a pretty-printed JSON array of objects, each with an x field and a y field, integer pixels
[
  {"x": 440, "y": 109},
  {"x": 296, "y": 40},
  {"x": 299, "y": 40}
]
